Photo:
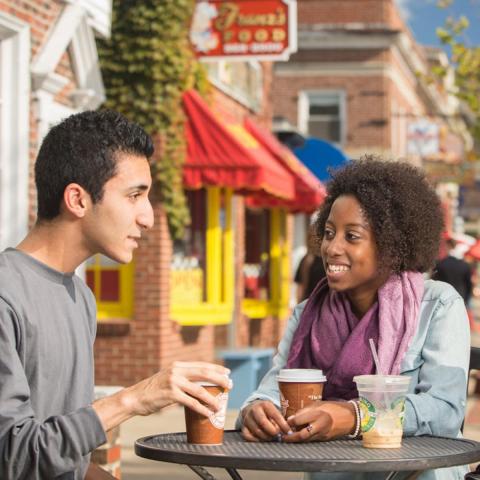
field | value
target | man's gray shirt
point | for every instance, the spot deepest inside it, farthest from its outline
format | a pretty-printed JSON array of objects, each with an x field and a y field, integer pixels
[{"x": 47, "y": 330}]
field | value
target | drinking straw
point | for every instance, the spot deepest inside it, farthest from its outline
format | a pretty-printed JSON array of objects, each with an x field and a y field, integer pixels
[
  {"x": 375, "y": 356},
  {"x": 377, "y": 365}
]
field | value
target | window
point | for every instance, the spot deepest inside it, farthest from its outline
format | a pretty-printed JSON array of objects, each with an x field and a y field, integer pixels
[
  {"x": 266, "y": 270},
  {"x": 112, "y": 285},
  {"x": 241, "y": 80},
  {"x": 187, "y": 274},
  {"x": 201, "y": 275},
  {"x": 322, "y": 115},
  {"x": 256, "y": 269}
]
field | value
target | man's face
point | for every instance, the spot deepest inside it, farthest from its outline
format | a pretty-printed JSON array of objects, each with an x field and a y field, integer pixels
[{"x": 114, "y": 224}]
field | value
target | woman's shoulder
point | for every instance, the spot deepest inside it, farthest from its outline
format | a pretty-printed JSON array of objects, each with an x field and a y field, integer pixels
[{"x": 437, "y": 291}]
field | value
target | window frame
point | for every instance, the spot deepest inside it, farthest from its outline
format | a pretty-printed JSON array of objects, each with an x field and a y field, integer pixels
[
  {"x": 15, "y": 128},
  {"x": 278, "y": 303},
  {"x": 123, "y": 308},
  {"x": 305, "y": 100},
  {"x": 217, "y": 309}
]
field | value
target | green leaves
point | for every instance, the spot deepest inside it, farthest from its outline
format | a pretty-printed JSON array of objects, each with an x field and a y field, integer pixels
[
  {"x": 147, "y": 64},
  {"x": 466, "y": 62}
]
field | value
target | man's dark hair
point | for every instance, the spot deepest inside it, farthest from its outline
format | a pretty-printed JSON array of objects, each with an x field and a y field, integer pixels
[
  {"x": 83, "y": 149},
  {"x": 400, "y": 205}
]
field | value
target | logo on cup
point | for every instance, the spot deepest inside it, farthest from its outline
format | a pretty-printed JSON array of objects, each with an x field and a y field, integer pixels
[
  {"x": 398, "y": 407},
  {"x": 368, "y": 414},
  {"x": 217, "y": 419}
]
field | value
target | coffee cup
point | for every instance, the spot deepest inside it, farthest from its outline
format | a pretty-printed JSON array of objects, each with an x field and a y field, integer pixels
[
  {"x": 203, "y": 430},
  {"x": 299, "y": 387},
  {"x": 382, "y": 405}
]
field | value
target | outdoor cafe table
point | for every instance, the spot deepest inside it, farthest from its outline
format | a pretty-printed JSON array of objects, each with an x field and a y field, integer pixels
[{"x": 415, "y": 455}]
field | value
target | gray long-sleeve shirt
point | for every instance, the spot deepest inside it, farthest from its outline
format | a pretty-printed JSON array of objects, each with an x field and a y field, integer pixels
[{"x": 47, "y": 328}]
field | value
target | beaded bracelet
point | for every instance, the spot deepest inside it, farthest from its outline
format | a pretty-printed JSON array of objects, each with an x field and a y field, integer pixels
[{"x": 356, "y": 433}]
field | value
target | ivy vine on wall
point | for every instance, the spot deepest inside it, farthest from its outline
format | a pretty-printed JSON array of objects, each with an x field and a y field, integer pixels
[{"x": 147, "y": 64}]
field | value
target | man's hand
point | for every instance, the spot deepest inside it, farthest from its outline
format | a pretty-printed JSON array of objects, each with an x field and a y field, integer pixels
[
  {"x": 175, "y": 384},
  {"x": 322, "y": 421},
  {"x": 262, "y": 421}
]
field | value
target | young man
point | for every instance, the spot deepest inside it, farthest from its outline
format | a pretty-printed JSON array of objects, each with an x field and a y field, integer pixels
[{"x": 93, "y": 178}]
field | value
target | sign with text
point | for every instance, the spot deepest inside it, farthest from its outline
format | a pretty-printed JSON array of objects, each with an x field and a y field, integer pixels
[
  {"x": 423, "y": 139},
  {"x": 244, "y": 29}
]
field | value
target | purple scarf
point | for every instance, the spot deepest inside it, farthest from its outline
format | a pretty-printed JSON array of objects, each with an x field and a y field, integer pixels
[{"x": 330, "y": 337}]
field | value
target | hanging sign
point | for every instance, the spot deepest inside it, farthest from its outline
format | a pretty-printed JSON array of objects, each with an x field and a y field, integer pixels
[{"x": 244, "y": 29}]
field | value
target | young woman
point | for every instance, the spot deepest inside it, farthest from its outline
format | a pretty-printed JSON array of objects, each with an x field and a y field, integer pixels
[{"x": 378, "y": 231}]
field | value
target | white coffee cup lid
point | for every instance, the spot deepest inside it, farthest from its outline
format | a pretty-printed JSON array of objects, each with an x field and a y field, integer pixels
[{"x": 302, "y": 375}]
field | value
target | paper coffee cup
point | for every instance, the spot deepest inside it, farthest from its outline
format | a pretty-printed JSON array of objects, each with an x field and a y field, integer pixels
[
  {"x": 299, "y": 387},
  {"x": 382, "y": 405},
  {"x": 207, "y": 430}
]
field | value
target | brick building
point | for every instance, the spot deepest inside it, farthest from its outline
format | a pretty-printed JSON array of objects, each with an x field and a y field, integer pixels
[{"x": 358, "y": 80}]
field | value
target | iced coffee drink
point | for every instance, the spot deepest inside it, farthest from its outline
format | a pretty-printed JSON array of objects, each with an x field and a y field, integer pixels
[
  {"x": 382, "y": 404},
  {"x": 299, "y": 387}
]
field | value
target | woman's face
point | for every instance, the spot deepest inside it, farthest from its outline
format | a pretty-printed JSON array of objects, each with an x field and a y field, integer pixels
[{"x": 349, "y": 251}]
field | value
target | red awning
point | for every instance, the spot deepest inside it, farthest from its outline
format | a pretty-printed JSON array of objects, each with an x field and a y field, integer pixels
[
  {"x": 224, "y": 154},
  {"x": 309, "y": 191}
]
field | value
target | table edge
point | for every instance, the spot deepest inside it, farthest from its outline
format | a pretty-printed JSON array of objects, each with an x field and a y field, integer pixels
[{"x": 276, "y": 464}]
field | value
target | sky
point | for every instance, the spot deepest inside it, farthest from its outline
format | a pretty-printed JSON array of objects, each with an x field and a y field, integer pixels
[{"x": 423, "y": 17}]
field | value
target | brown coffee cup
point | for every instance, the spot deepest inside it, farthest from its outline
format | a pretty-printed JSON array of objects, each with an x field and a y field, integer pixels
[
  {"x": 203, "y": 430},
  {"x": 299, "y": 387}
]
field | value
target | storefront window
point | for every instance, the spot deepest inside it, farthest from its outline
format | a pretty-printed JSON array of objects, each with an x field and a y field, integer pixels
[
  {"x": 256, "y": 271},
  {"x": 266, "y": 269},
  {"x": 201, "y": 280},
  {"x": 112, "y": 285},
  {"x": 188, "y": 260}
]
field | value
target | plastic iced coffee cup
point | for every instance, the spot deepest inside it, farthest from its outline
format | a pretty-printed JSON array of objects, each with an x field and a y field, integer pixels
[
  {"x": 299, "y": 387},
  {"x": 207, "y": 430},
  {"x": 382, "y": 405}
]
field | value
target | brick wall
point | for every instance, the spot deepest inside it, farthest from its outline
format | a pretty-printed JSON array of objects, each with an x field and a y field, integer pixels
[
  {"x": 367, "y": 106},
  {"x": 349, "y": 11}
]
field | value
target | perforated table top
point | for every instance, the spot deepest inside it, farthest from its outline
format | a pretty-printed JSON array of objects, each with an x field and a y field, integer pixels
[{"x": 416, "y": 453}]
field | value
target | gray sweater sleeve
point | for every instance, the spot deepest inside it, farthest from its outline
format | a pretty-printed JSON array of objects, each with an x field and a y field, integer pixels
[{"x": 31, "y": 448}]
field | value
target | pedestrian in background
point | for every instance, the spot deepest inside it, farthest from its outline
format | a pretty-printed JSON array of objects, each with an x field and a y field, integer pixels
[
  {"x": 456, "y": 272},
  {"x": 310, "y": 270}
]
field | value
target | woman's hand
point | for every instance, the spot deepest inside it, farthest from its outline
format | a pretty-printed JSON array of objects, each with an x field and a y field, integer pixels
[
  {"x": 322, "y": 421},
  {"x": 262, "y": 422}
]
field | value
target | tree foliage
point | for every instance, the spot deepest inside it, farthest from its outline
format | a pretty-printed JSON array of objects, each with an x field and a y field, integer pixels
[
  {"x": 147, "y": 64},
  {"x": 466, "y": 61}
]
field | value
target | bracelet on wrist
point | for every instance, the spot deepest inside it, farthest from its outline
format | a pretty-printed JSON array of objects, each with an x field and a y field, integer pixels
[{"x": 356, "y": 432}]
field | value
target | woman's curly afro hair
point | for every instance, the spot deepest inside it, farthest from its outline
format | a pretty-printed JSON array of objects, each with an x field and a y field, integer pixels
[{"x": 401, "y": 207}]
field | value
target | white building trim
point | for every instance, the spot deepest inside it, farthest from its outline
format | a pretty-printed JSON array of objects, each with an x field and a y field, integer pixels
[
  {"x": 71, "y": 30},
  {"x": 99, "y": 14},
  {"x": 14, "y": 128}
]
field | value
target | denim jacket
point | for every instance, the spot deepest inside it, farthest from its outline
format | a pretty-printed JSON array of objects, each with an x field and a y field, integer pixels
[{"x": 437, "y": 360}]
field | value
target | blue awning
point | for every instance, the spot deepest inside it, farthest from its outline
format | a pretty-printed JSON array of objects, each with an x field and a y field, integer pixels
[{"x": 319, "y": 155}]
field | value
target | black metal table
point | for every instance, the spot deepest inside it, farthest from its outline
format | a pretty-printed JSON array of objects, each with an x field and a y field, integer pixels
[{"x": 416, "y": 454}]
